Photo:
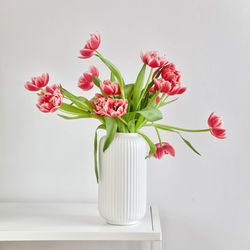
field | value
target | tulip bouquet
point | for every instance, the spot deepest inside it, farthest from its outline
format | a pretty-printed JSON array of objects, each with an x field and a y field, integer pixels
[{"x": 120, "y": 107}]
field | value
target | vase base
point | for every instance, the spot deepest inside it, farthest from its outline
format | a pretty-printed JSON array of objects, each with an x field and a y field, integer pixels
[{"x": 121, "y": 224}]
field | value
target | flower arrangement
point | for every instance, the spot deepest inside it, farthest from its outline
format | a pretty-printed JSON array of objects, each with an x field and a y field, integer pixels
[{"x": 121, "y": 107}]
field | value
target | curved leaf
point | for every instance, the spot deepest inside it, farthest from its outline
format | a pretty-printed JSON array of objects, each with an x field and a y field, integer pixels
[
  {"x": 116, "y": 73},
  {"x": 138, "y": 86},
  {"x": 75, "y": 117},
  {"x": 70, "y": 109},
  {"x": 112, "y": 77},
  {"x": 96, "y": 81},
  {"x": 80, "y": 102},
  {"x": 95, "y": 151},
  {"x": 150, "y": 143},
  {"x": 168, "y": 128},
  {"x": 111, "y": 127},
  {"x": 190, "y": 145},
  {"x": 151, "y": 114}
]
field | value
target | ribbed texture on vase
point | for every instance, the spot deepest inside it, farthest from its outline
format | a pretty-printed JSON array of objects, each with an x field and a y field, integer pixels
[{"x": 122, "y": 186}]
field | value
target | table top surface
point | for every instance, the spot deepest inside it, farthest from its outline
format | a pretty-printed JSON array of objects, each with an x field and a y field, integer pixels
[{"x": 70, "y": 221}]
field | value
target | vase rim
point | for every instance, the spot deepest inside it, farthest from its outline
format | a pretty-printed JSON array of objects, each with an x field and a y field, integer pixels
[{"x": 125, "y": 134}]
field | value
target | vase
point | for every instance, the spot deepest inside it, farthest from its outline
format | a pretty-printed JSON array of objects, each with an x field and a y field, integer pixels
[{"x": 123, "y": 178}]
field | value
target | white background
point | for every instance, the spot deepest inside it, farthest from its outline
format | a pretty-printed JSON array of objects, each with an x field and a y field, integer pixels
[{"x": 204, "y": 202}]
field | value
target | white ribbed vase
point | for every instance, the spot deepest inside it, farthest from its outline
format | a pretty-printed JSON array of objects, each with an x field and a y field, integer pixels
[{"x": 123, "y": 179}]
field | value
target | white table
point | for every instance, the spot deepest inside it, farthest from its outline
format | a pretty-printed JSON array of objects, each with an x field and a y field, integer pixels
[{"x": 74, "y": 221}]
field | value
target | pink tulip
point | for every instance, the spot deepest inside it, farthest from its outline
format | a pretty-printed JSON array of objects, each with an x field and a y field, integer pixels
[
  {"x": 215, "y": 123},
  {"x": 109, "y": 107},
  {"x": 99, "y": 104},
  {"x": 169, "y": 73},
  {"x": 161, "y": 84},
  {"x": 164, "y": 149},
  {"x": 51, "y": 100},
  {"x": 86, "y": 53},
  {"x": 37, "y": 82},
  {"x": 153, "y": 59},
  {"x": 91, "y": 45},
  {"x": 85, "y": 82},
  {"x": 94, "y": 70},
  {"x": 170, "y": 88},
  {"x": 110, "y": 88},
  {"x": 116, "y": 107}
]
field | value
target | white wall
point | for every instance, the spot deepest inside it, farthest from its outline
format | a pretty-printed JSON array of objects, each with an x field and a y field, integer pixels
[{"x": 204, "y": 201}]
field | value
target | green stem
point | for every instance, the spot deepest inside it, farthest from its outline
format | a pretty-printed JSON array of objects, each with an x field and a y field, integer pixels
[
  {"x": 183, "y": 129},
  {"x": 98, "y": 53},
  {"x": 159, "y": 137},
  {"x": 123, "y": 121},
  {"x": 145, "y": 88},
  {"x": 159, "y": 103},
  {"x": 43, "y": 90},
  {"x": 149, "y": 77},
  {"x": 165, "y": 98}
]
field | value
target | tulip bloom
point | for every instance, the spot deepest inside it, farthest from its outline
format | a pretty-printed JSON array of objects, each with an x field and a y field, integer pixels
[
  {"x": 153, "y": 59},
  {"x": 116, "y": 107},
  {"x": 109, "y": 107},
  {"x": 51, "y": 100},
  {"x": 161, "y": 84},
  {"x": 91, "y": 45},
  {"x": 163, "y": 149},
  {"x": 110, "y": 88},
  {"x": 215, "y": 123},
  {"x": 169, "y": 73},
  {"x": 99, "y": 104},
  {"x": 85, "y": 82},
  {"x": 170, "y": 88},
  {"x": 37, "y": 82}
]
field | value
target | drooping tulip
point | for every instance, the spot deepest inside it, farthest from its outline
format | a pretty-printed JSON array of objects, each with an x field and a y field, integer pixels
[
  {"x": 38, "y": 82},
  {"x": 85, "y": 82},
  {"x": 91, "y": 45},
  {"x": 163, "y": 149},
  {"x": 215, "y": 123}
]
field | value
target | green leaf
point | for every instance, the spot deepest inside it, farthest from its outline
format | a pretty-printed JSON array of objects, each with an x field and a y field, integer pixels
[
  {"x": 96, "y": 81},
  {"x": 95, "y": 151},
  {"x": 112, "y": 77},
  {"x": 85, "y": 101},
  {"x": 131, "y": 125},
  {"x": 138, "y": 86},
  {"x": 151, "y": 114},
  {"x": 111, "y": 127},
  {"x": 150, "y": 143},
  {"x": 129, "y": 89},
  {"x": 189, "y": 144},
  {"x": 152, "y": 101},
  {"x": 121, "y": 127},
  {"x": 70, "y": 109},
  {"x": 116, "y": 73},
  {"x": 76, "y": 117},
  {"x": 165, "y": 127},
  {"x": 80, "y": 102}
]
